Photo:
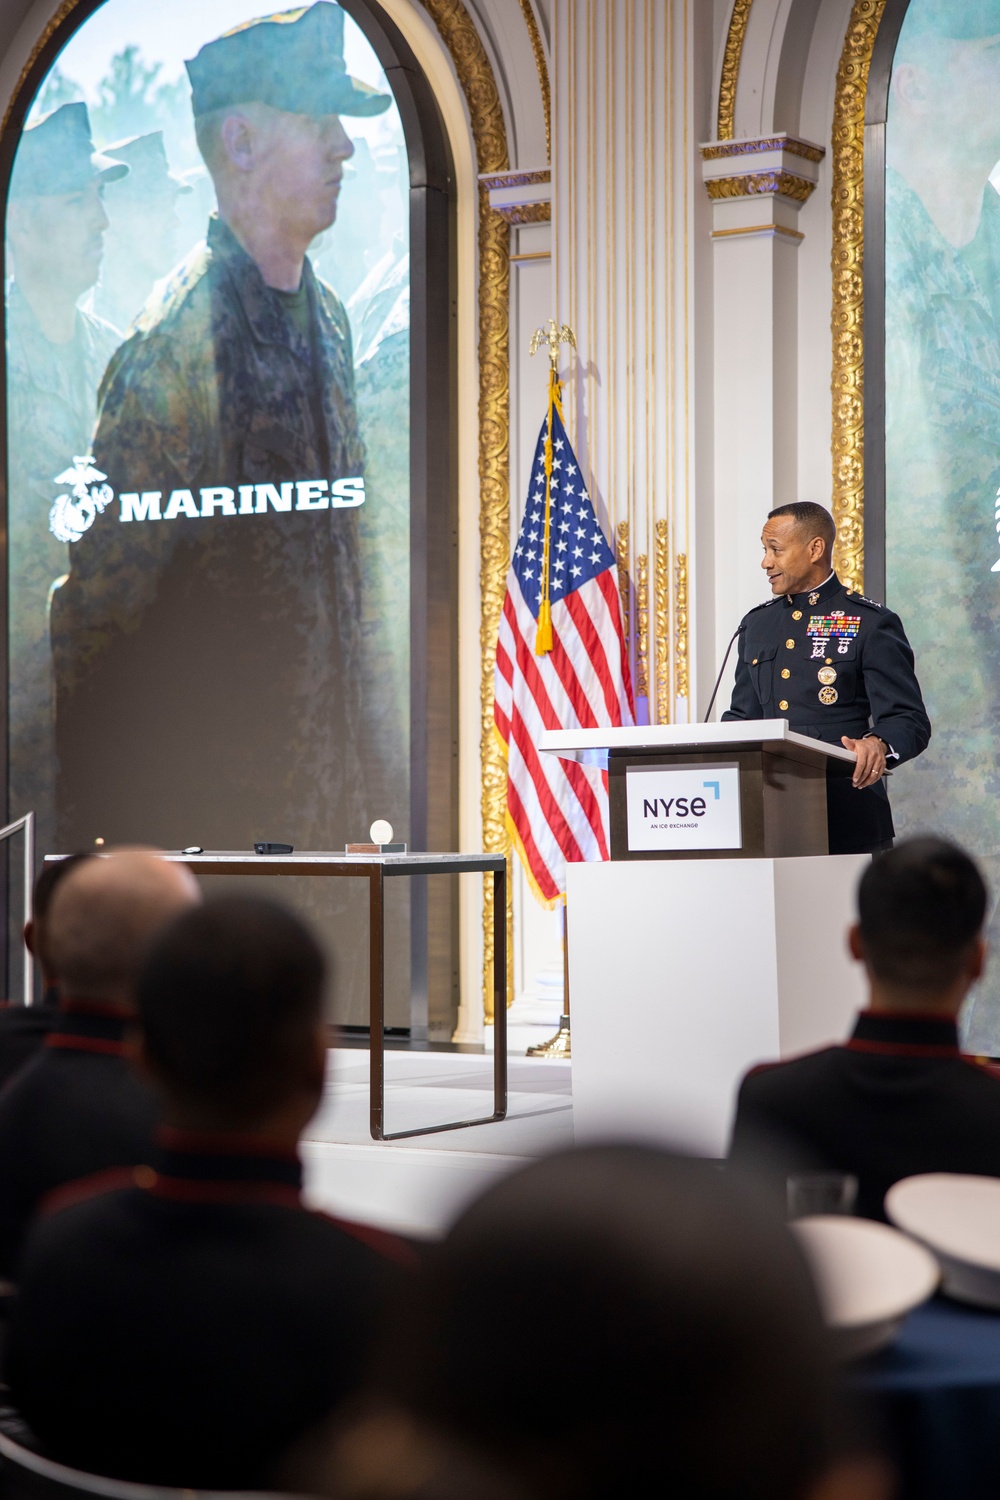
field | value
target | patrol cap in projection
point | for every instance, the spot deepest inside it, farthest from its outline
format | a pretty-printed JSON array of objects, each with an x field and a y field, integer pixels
[
  {"x": 951, "y": 20},
  {"x": 293, "y": 61},
  {"x": 149, "y": 170},
  {"x": 56, "y": 155}
]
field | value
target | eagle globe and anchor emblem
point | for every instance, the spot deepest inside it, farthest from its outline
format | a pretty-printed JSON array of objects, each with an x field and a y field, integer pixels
[{"x": 73, "y": 514}]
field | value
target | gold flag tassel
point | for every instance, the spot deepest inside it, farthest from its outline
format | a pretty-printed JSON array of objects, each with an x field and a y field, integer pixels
[{"x": 551, "y": 337}]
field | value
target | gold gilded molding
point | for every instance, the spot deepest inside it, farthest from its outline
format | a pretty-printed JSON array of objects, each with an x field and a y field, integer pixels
[
  {"x": 642, "y": 626},
  {"x": 750, "y": 185},
  {"x": 524, "y": 213},
  {"x": 621, "y": 557},
  {"x": 722, "y": 150},
  {"x": 475, "y": 75},
  {"x": 848, "y": 290},
  {"x": 681, "y": 610},
  {"x": 661, "y": 616},
  {"x": 543, "y": 71},
  {"x": 494, "y": 180},
  {"x": 726, "y": 122}
]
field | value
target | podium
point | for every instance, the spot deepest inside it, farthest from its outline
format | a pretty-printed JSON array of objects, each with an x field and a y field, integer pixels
[{"x": 714, "y": 938}]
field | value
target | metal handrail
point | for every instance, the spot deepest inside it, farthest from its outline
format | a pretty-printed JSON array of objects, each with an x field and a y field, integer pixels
[{"x": 28, "y": 824}]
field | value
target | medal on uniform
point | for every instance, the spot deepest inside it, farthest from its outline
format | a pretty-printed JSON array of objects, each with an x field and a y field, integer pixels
[
  {"x": 827, "y": 675},
  {"x": 824, "y": 628},
  {"x": 828, "y": 696}
]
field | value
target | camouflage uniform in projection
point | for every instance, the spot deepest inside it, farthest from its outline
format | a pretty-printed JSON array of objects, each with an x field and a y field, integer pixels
[
  {"x": 942, "y": 476},
  {"x": 242, "y": 629},
  {"x": 51, "y": 407},
  {"x": 208, "y": 663},
  {"x": 942, "y": 473}
]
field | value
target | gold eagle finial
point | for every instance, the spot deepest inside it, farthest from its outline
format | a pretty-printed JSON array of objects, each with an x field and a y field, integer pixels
[{"x": 552, "y": 337}]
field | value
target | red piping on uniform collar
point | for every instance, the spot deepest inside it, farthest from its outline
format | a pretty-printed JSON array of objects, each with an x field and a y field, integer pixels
[{"x": 905, "y": 1049}]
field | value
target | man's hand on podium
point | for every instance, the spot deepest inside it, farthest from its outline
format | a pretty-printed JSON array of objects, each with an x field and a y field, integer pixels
[{"x": 871, "y": 753}]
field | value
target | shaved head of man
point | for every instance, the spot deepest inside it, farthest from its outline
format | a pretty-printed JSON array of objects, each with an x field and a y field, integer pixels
[{"x": 103, "y": 917}]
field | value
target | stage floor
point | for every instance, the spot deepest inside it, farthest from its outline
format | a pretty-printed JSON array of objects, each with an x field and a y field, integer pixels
[{"x": 417, "y": 1186}]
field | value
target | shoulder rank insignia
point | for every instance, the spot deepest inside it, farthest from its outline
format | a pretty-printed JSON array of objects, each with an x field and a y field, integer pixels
[
  {"x": 764, "y": 605},
  {"x": 862, "y": 599}
]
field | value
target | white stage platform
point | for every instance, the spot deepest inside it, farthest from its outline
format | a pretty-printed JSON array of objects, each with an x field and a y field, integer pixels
[{"x": 417, "y": 1186}]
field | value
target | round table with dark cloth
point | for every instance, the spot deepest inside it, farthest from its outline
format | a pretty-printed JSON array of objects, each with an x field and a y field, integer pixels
[{"x": 936, "y": 1397}]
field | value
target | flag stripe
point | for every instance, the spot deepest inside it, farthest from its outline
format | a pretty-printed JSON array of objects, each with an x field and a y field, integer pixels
[{"x": 526, "y": 728}]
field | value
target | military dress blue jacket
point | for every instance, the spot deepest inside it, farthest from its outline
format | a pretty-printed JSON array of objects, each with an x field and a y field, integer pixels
[{"x": 834, "y": 663}]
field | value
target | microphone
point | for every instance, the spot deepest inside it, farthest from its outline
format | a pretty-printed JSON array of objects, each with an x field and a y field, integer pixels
[{"x": 715, "y": 691}]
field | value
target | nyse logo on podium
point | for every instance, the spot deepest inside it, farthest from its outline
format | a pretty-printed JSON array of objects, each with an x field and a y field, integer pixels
[{"x": 683, "y": 807}]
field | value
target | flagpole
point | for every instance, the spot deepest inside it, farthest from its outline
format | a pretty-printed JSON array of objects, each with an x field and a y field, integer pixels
[{"x": 560, "y": 1044}]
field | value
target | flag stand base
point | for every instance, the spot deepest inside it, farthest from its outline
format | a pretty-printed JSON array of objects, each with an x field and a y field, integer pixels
[{"x": 557, "y": 1046}]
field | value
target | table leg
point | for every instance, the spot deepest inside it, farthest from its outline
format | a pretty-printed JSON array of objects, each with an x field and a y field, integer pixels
[
  {"x": 500, "y": 994},
  {"x": 376, "y": 938},
  {"x": 376, "y": 1002}
]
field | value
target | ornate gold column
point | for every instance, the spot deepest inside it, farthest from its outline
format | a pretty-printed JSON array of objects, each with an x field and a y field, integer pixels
[{"x": 848, "y": 290}]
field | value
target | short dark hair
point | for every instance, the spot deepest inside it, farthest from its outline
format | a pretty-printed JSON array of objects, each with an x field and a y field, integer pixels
[
  {"x": 809, "y": 516},
  {"x": 229, "y": 1000},
  {"x": 688, "y": 1356},
  {"x": 921, "y": 907}
]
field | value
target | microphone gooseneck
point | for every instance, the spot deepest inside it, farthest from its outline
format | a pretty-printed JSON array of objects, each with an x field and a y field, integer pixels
[{"x": 715, "y": 691}]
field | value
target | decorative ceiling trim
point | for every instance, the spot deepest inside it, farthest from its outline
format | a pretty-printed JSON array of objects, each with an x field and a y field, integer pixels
[
  {"x": 721, "y": 150},
  {"x": 752, "y": 184},
  {"x": 526, "y": 178},
  {"x": 731, "y": 69},
  {"x": 516, "y": 214},
  {"x": 848, "y": 325}
]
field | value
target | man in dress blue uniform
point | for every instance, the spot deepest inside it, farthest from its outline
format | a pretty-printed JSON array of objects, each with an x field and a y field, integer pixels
[
  {"x": 899, "y": 1096},
  {"x": 837, "y": 666}
]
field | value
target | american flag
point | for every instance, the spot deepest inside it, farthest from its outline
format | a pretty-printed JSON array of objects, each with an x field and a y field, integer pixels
[{"x": 557, "y": 810}]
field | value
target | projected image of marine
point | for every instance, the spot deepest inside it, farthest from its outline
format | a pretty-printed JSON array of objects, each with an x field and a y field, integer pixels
[
  {"x": 207, "y": 642},
  {"x": 942, "y": 268},
  {"x": 56, "y": 354},
  {"x": 141, "y": 243}
]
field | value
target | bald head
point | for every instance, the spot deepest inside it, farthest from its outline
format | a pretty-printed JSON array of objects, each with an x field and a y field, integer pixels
[{"x": 104, "y": 916}]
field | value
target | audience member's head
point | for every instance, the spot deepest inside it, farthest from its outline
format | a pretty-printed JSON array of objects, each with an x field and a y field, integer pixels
[
  {"x": 230, "y": 1006},
  {"x": 921, "y": 909},
  {"x": 615, "y": 1321},
  {"x": 103, "y": 917},
  {"x": 36, "y": 929}
]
